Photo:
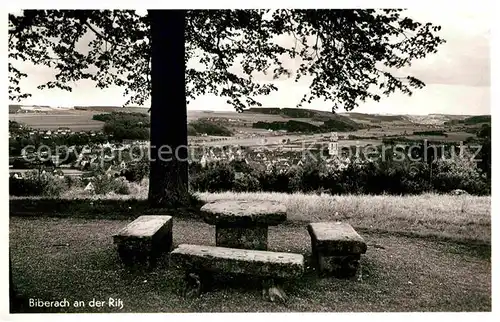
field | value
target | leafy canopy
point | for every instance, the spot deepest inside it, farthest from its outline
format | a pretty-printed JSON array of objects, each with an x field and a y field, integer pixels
[{"x": 347, "y": 55}]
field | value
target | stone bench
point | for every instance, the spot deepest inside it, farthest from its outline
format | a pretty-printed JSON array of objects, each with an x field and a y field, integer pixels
[
  {"x": 336, "y": 248},
  {"x": 199, "y": 262},
  {"x": 243, "y": 224},
  {"x": 144, "y": 239}
]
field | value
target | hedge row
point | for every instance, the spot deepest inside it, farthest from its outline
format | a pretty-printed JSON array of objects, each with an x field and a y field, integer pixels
[
  {"x": 354, "y": 178},
  {"x": 349, "y": 176}
]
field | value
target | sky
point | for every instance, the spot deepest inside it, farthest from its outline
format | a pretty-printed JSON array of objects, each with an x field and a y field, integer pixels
[{"x": 457, "y": 77}]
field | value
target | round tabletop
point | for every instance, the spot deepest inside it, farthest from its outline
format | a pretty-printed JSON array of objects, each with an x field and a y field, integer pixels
[{"x": 243, "y": 212}]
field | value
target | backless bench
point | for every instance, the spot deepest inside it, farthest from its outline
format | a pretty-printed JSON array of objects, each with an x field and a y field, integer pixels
[
  {"x": 336, "y": 248},
  {"x": 144, "y": 240},
  {"x": 199, "y": 262}
]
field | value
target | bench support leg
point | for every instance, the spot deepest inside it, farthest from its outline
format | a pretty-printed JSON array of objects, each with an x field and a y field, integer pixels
[
  {"x": 124, "y": 255},
  {"x": 346, "y": 266},
  {"x": 241, "y": 237},
  {"x": 192, "y": 285},
  {"x": 135, "y": 254},
  {"x": 316, "y": 260},
  {"x": 273, "y": 291},
  {"x": 196, "y": 283}
]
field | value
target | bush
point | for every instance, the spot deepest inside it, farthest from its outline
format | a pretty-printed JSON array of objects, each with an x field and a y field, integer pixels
[
  {"x": 72, "y": 182},
  {"x": 477, "y": 119},
  {"x": 104, "y": 184},
  {"x": 400, "y": 178},
  {"x": 215, "y": 177},
  {"x": 275, "y": 180},
  {"x": 459, "y": 173},
  {"x": 484, "y": 137},
  {"x": 241, "y": 166},
  {"x": 121, "y": 187},
  {"x": 137, "y": 171},
  {"x": 36, "y": 184},
  {"x": 246, "y": 183},
  {"x": 353, "y": 176},
  {"x": 308, "y": 177}
]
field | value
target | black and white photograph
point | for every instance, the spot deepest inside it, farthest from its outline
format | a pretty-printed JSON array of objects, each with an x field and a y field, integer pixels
[{"x": 249, "y": 160}]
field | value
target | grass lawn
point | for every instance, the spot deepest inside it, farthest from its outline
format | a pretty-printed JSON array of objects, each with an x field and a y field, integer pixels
[
  {"x": 425, "y": 253},
  {"x": 407, "y": 274}
]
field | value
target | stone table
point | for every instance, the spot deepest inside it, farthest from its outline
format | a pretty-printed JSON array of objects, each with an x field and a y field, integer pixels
[{"x": 243, "y": 224}]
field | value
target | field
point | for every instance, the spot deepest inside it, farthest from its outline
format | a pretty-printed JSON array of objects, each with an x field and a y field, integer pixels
[
  {"x": 75, "y": 120},
  {"x": 425, "y": 253},
  {"x": 375, "y": 127}
]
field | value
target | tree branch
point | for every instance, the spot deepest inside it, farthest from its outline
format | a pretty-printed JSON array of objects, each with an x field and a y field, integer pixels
[{"x": 100, "y": 35}]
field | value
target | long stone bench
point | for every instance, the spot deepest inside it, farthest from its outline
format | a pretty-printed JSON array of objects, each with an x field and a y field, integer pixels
[
  {"x": 336, "y": 248},
  {"x": 144, "y": 240},
  {"x": 199, "y": 262}
]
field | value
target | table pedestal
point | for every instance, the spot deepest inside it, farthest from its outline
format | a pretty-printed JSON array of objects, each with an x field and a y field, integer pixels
[{"x": 241, "y": 237}]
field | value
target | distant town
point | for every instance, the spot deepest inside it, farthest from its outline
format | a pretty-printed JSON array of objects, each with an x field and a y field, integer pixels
[{"x": 82, "y": 139}]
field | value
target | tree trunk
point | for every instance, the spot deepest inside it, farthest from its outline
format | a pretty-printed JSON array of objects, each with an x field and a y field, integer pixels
[{"x": 168, "y": 178}]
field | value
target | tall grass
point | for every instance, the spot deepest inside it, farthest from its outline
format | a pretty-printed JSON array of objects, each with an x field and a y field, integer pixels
[{"x": 462, "y": 217}]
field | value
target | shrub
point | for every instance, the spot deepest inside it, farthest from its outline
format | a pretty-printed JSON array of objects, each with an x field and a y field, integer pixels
[
  {"x": 241, "y": 166},
  {"x": 343, "y": 175},
  {"x": 275, "y": 180},
  {"x": 355, "y": 176},
  {"x": 36, "y": 184},
  {"x": 459, "y": 173},
  {"x": 245, "y": 182},
  {"x": 400, "y": 178},
  {"x": 215, "y": 177},
  {"x": 72, "y": 182},
  {"x": 121, "y": 187},
  {"x": 20, "y": 163},
  {"x": 195, "y": 167},
  {"x": 104, "y": 184},
  {"x": 307, "y": 178},
  {"x": 484, "y": 155},
  {"x": 477, "y": 119},
  {"x": 137, "y": 171}
]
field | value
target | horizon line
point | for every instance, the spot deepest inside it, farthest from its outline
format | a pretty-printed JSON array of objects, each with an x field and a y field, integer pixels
[{"x": 232, "y": 111}]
